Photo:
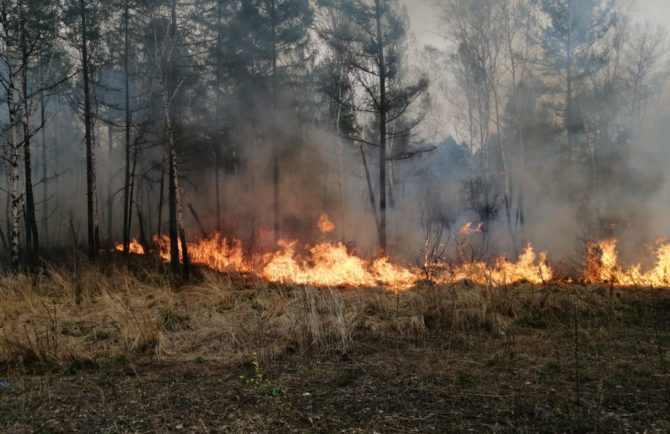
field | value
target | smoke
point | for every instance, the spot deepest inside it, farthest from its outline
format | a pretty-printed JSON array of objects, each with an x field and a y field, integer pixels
[{"x": 321, "y": 172}]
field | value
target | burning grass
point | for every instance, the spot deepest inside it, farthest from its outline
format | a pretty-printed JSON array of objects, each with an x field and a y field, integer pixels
[{"x": 332, "y": 264}]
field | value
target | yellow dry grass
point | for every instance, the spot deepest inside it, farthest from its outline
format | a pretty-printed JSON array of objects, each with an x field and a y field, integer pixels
[{"x": 139, "y": 314}]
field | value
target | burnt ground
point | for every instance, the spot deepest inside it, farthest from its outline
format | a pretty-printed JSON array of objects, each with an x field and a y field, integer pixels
[{"x": 536, "y": 378}]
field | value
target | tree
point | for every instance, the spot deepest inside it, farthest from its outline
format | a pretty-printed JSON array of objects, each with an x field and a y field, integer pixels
[
  {"x": 570, "y": 40},
  {"x": 28, "y": 31},
  {"x": 376, "y": 44},
  {"x": 84, "y": 22},
  {"x": 644, "y": 69},
  {"x": 274, "y": 37},
  {"x": 165, "y": 52},
  {"x": 336, "y": 84},
  {"x": 492, "y": 46}
]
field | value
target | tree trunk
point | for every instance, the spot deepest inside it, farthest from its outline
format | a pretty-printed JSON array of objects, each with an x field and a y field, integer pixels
[
  {"x": 177, "y": 232},
  {"x": 32, "y": 237},
  {"x": 275, "y": 151},
  {"x": 172, "y": 207},
  {"x": 13, "y": 161},
  {"x": 219, "y": 137},
  {"x": 507, "y": 194},
  {"x": 340, "y": 149},
  {"x": 382, "y": 129},
  {"x": 93, "y": 229},
  {"x": 159, "y": 226},
  {"x": 520, "y": 212},
  {"x": 45, "y": 180},
  {"x": 126, "y": 180},
  {"x": 371, "y": 192},
  {"x": 110, "y": 194},
  {"x": 131, "y": 188},
  {"x": 179, "y": 212}
]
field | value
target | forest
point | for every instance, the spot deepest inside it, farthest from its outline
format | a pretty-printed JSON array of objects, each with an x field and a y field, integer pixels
[{"x": 231, "y": 189}]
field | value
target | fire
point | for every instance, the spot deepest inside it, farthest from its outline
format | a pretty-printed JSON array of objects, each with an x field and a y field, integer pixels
[
  {"x": 333, "y": 265},
  {"x": 217, "y": 253},
  {"x": 325, "y": 225},
  {"x": 469, "y": 229},
  {"x": 602, "y": 267},
  {"x": 529, "y": 267},
  {"x": 134, "y": 247},
  {"x": 394, "y": 276},
  {"x": 327, "y": 265}
]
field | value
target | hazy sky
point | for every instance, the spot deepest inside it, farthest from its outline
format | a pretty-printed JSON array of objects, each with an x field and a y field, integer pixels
[{"x": 425, "y": 16}]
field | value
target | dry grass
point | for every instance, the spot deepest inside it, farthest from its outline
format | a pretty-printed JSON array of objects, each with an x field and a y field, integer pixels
[
  {"x": 139, "y": 314},
  {"x": 125, "y": 314}
]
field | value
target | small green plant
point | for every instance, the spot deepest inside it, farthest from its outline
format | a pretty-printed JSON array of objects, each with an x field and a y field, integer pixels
[{"x": 259, "y": 379}]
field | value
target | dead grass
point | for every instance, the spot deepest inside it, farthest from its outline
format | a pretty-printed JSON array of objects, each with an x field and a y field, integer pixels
[
  {"x": 125, "y": 314},
  {"x": 134, "y": 315}
]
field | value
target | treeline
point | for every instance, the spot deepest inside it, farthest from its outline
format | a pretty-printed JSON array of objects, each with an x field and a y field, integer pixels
[
  {"x": 159, "y": 101},
  {"x": 551, "y": 96}
]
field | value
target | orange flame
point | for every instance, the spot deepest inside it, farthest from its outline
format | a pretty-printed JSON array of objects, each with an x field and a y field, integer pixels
[
  {"x": 328, "y": 265},
  {"x": 469, "y": 229},
  {"x": 602, "y": 267},
  {"x": 325, "y": 225},
  {"x": 217, "y": 253},
  {"x": 332, "y": 265},
  {"x": 528, "y": 268},
  {"x": 134, "y": 247}
]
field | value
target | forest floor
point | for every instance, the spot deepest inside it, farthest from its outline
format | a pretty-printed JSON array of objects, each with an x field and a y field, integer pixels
[{"x": 226, "y": 356}]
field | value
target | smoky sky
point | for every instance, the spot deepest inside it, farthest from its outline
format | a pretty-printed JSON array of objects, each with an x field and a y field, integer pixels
[{"x": 425, "y": 16}]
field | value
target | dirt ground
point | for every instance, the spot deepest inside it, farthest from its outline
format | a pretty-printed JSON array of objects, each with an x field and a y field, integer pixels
[{"x": 603, "y": 373}]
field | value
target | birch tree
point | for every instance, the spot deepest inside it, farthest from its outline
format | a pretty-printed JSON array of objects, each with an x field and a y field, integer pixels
[{"x": 28, "y": 30}]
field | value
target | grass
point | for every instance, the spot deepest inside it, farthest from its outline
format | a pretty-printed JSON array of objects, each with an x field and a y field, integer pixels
[
  {"x": 140, "y": 315},
  {"x": 231, "y": 354}
]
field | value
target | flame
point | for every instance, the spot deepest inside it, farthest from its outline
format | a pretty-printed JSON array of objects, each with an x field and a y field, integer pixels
[
  {"x": 394, "y": 276},
  {"x": 325, "y": 225},
  {"x": 528, "y": 268},
  {"x": 469, "y": 229},
  {"x": 216, "y": 252},
  {"x": 328, "y": 265},
  {"x": 602, "y": 267},
  {"x": 134, "y": 247},
  {"x": 333, "y": 265}
]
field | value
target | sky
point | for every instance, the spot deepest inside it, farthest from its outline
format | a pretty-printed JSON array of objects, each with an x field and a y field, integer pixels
[
  {"x": 425, "y": 17},
  {"x": 425, "y": 29}
]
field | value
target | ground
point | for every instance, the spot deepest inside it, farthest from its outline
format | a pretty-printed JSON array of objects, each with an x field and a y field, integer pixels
[{"x": 526, "y": 359}]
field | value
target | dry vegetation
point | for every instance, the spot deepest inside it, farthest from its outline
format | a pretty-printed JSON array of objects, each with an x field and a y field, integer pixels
[{"x": 431, "y": 359}]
